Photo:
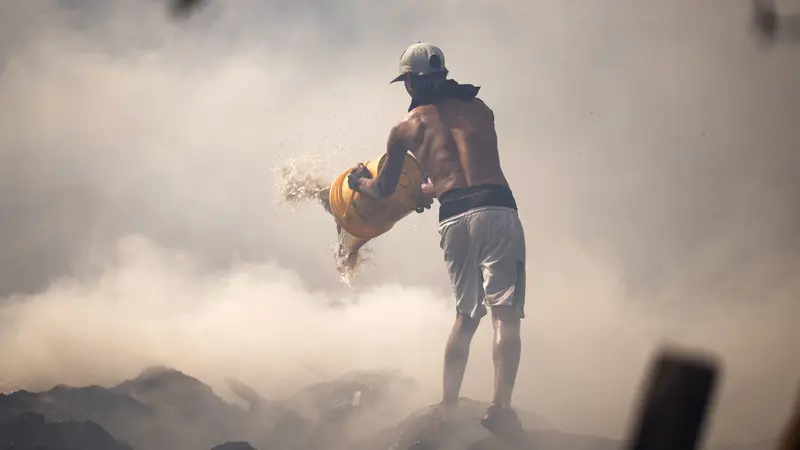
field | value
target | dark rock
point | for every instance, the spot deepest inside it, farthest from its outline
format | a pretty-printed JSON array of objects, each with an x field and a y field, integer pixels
[
  {"x": 160, "y": 408},
  {"x": 272, "y": 423},
  {"x": 239, "y": 445},
  {"x": 768, "y": 444},
  {"x": 164, "y": 408},
  {"x": 31, "y": 431},
  {"x": 420, "y": 431},
  {"x": 117, "y": 413},
  {"x": 186, "y": 412},
  {"x": 353, "y": 406},
  {"x": 64, "y": 402},
  {"x": 172, "y": 391},
  {"x": 256, "y": 403}
]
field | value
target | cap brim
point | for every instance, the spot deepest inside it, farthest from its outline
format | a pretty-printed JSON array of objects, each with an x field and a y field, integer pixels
[{"x": 398, "y": 78}]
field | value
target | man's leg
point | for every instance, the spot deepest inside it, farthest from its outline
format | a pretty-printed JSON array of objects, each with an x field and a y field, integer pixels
[
  {"x": 506, "y": 349},
  {"x": 465, "y": 275},
  {"x": 456, "y": 354},
  {"x": 503, "y": 264},
  {"x": 500, "y": 419}
]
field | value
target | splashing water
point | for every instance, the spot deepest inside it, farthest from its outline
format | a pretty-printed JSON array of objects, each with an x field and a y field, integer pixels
[
  {"x": 297, "y": 186},
  {"x": 349, "y": 255}
]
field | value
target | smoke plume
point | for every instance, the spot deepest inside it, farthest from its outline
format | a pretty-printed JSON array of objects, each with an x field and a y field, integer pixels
[{"x": 651, "y": 147}]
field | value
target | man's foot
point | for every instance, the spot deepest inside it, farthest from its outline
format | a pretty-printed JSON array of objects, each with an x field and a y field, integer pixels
[
  {"x": 504, "y": 423},
  {"x": 439, "y": 431},
  {"x": 445, "y": 422}
]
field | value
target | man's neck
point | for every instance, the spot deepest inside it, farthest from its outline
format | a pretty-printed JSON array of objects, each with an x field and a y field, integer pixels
[{"x": 445, "y": 89}]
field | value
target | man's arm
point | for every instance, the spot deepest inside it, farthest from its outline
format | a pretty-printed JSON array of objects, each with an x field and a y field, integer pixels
[{"x": 406, "y": 135}]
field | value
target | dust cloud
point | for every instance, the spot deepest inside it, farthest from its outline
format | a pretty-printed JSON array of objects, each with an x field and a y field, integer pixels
[
  {"x": 152, "y": 306},
  {"x": 651, "y": 148}
]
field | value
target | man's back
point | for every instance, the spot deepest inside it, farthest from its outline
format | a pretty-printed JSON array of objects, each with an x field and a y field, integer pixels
[{"x": 459, "y": 147}]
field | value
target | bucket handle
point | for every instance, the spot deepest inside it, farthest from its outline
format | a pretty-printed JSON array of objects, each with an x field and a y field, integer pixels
[{"x": 349, "y": 201}]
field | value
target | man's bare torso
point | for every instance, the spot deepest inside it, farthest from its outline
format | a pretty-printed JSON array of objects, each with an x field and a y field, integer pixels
[{"x": 459, "y": 144}]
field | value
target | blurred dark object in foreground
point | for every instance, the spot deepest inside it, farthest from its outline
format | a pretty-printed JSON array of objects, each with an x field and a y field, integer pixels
[
  {"x": 184, "y": 8},
  {"x": 765, "y": 19},
  {"x": 771, "y": 26},
  {"x": 790, "y": 437},
  {"x": 675, "y": 402}
]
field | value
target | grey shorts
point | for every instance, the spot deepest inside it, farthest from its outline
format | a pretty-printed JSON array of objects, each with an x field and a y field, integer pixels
[{"x": 484, "y": 249}]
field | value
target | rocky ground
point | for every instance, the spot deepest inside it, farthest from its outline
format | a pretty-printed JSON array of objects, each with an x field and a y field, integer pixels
[{"x": 165, "y": 409}]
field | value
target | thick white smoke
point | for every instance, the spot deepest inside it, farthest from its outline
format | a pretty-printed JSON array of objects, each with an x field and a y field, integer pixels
[{"x": 651, "y": 150}]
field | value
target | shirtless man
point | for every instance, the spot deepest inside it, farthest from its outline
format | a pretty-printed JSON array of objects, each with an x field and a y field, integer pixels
[{"x": 452, "y": 135}]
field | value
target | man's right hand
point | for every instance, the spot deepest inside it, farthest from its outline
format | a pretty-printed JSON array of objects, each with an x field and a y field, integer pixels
[{"x": 356, "y": 174}]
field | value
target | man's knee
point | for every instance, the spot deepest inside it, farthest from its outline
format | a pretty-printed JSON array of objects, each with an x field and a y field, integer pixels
[
  {"x": 507, "y": 339},
  {"x": 506, "y": 316},
  {"x": 461, "y": 337},
  {"x": 466, "y": 325}
]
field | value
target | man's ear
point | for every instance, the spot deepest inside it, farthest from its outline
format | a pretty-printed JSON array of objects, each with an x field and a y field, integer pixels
[{"x": 409, "y": 88}]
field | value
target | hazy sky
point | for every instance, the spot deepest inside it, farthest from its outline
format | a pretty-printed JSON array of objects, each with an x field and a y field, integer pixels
[{"x": 652, "y": 148}]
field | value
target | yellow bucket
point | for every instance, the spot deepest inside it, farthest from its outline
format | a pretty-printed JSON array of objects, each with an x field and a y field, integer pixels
[{"x": 365, "y": 217}]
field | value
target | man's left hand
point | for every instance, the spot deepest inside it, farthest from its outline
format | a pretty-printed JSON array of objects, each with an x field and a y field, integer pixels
[{"x": 428, "y": 194}]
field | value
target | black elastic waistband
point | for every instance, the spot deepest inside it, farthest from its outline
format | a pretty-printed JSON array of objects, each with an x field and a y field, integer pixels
[{"x": 460, "y": 200}]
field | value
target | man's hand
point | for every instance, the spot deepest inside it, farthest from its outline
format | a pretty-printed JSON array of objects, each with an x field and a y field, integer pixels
[
  {"x": 428, "y": 190},
  {"x": 357, "y": 174},
  {"x": 428, "y": 194},
  {"x": 369, "y": 186},
  {"x": 360, "y": 180}
]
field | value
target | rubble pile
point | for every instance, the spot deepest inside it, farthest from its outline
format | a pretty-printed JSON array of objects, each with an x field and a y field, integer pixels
[
  {"x": 165, "y": 408},
  {"x": 419, "y": 432},
  {"x": 28, "y": 431}
]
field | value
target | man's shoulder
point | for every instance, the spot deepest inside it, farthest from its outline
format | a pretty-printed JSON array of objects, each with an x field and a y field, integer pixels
[
  {"x": 411, "y": 124},
  {"x": 474, "y": 102},
  {"x": 421, "y": 111},
  {"x": 416, "y": 115}
]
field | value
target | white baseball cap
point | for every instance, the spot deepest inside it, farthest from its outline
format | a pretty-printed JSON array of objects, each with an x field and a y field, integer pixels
[{"x": 421, "y": 59}]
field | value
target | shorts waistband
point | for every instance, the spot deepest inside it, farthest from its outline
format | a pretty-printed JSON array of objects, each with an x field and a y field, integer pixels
[{"x": 460, "y": 200}]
